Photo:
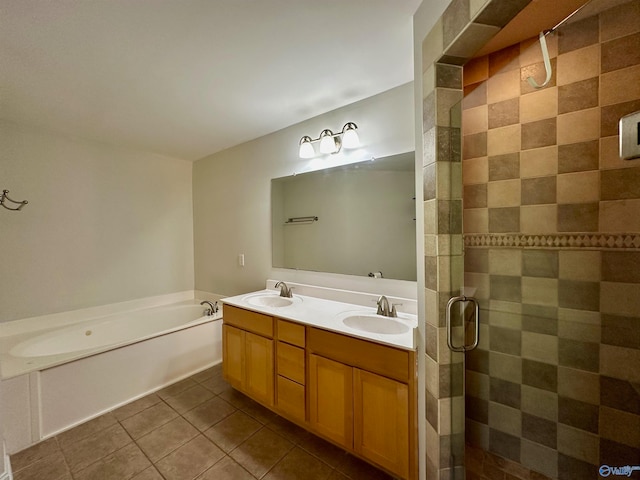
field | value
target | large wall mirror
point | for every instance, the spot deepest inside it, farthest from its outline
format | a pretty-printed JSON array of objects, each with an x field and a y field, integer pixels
[{"x": 353, "y": 219}]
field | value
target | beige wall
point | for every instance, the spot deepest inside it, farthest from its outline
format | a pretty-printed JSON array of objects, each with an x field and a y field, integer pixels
[
  {"x": 232, "y": 212},
  {"x": 103, "y": 224}
]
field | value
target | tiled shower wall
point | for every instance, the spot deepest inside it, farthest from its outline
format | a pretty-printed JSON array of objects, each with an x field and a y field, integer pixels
[{"x": 552, "y": 249}]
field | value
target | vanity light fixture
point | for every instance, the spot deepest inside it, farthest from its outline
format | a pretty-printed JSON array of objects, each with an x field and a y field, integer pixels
[{"x": 330, "y": 142}]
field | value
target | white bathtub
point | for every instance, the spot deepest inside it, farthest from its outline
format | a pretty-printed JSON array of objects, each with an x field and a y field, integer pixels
[
  {"x": 54, "y": 379},
  {"x": 111, "y": 330}
]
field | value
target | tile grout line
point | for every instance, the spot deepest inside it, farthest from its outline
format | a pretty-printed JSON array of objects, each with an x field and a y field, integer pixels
[{"x": 239, "y": 404}]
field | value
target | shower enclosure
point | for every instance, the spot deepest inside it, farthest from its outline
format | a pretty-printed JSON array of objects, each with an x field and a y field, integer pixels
[{"x": 530, "y": 212}]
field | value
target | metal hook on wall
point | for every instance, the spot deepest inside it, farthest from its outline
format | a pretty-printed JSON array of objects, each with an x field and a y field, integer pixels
[
  {"x": 5, "y": 197},
  {"x": 547, "y": 63},
  {"x": 545, "y": 49}
]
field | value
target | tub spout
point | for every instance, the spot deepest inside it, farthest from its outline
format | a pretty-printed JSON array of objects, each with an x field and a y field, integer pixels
[{"x": 212, "y": 310}]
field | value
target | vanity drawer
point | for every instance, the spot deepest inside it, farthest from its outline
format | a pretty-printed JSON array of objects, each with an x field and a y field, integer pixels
[
  {"x": 248, "y": 320},
  {"x": 290, "y": 362},
  {"x": 292, "y": 333},
  {"x": 291, "y": 399},
  {"x": 374, "y": 357}
]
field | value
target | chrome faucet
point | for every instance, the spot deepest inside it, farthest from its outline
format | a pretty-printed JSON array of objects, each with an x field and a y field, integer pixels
[
  {"x": 212, "y": 310},
  {"x": 384, "y": 309},
  {"x": 284, "y": 290}
]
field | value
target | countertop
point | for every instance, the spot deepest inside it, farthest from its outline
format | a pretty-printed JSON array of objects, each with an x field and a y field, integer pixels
[{"x": 329, "y": 315}]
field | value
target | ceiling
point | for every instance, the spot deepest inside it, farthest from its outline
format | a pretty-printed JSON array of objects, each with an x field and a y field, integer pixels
[
  {"x": 540, "y": 15},
  {"x": 188, "y": 78}
]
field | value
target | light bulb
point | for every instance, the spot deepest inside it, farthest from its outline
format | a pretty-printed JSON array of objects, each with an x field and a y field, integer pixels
[
  {"x": 350, "y": 137},
  {"x": 327, "y": 142},
  {"x": 306, "y": 149}
]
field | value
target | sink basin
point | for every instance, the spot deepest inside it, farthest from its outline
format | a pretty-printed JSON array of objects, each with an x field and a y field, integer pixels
[
  {"x": 375, "y": 324},
  {"x": 269, "y": 300}
]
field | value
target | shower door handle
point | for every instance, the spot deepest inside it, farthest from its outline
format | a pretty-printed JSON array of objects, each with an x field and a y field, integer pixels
[{"x": 464, "y": 347}]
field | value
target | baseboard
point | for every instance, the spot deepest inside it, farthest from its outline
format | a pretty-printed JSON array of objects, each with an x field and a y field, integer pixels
[{"x": 7, "y": 474}]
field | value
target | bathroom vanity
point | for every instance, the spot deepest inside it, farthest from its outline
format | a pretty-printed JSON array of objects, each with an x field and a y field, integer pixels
[{"x": 353, "y": 387}]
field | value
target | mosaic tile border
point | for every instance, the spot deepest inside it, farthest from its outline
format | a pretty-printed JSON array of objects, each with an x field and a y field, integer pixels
[{"x": 599, "y": 241}]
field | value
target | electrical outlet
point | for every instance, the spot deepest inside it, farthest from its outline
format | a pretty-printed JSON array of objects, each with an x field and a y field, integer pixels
[{"x": 241, "y": 259}]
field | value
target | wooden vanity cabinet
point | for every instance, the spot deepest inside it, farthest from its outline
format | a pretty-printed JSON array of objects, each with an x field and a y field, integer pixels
[
  {"x": 361, "y": 396},
  {"x": 247, "y": 353},
  {"x": 358, "y": 394}
]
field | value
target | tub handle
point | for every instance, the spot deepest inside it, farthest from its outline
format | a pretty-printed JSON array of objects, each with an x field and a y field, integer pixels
[{"x": 212, "y": 310}]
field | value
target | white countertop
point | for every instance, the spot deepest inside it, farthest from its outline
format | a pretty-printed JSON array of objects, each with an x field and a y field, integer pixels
[{"x": 329, "y": 315}]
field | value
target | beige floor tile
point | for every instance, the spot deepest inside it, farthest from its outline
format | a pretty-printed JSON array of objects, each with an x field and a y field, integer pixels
[
  {"x": 209, "y": 413},
  {"x": 176, "y": 388},
  {"x": 226, "y": 469},
  {"x": 130, "y": 409},
  {"x": 86, "y": 429},
  {"x": 33, "y": 454},
  {"x": 167, "y": 438},
  {"x": 80, "y": 455},
  {"x": 51, "y": 467},
  {"x": 233, "y": 430},
  {"x": 336, "y": 475},
  {"x": 102, "y": 449},
  {"x": 325, "y": 451},
  {"x": 356, "y": 469},
  {"x": 189, "y": 398},
  {"x": 216, "y": 384},
  {"x": 148, "y": 420},
  {"x": 204, "y": 375},
  {"x": 261, "y": 452},
  {"x": 298, "y": 464},
  {"x": 149, "y": 474},
  {"x": 257, "y": 411},
  {"x": 288, "y": 430},
  {"x": 235, "y": 398},
  {"x": 121, "y": 465},
  {"x": 190, "y": 460}
]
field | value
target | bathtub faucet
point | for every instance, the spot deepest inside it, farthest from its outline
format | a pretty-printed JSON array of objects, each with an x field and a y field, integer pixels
[
  {"x": 212, "y": 310},
  {"x": 285, "y": 291}
]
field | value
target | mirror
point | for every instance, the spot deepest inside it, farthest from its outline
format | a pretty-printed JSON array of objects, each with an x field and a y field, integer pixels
[{"x": 355, "y": 219}]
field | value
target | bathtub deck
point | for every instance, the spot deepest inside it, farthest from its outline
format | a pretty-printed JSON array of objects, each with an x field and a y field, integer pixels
[{"x": 198, "y": 428}]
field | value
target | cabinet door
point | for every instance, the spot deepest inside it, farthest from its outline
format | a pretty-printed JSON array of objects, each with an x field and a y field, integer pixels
[
  {"x": 233, "y": 355},
  {"x": 259, "y": 371},
  {"x": 331, "y": 399},
  {"x": 290, "y": 398},
  {"x": 381, "y": 421}
]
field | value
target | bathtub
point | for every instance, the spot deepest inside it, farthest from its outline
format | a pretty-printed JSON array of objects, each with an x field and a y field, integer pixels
[
  {"x": 111, "y": 331},
  {"x": 56, "y": 378}
]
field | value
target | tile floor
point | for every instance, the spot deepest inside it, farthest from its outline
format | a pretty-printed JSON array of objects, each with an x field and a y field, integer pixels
[{"x": 198, "y": 428}]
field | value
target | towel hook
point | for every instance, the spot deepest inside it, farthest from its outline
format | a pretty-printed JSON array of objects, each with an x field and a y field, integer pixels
[
  {"x": 545, "y": 49},
  {"x": 547, "y": 63},
  {"x": 5, "y": 196}
]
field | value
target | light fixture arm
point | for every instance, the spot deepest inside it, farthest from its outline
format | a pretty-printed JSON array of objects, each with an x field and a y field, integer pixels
[{"x": 314, "y": 140}]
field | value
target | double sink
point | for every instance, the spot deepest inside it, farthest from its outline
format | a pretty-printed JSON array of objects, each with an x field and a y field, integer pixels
[{"x": 359, "y": 320}]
